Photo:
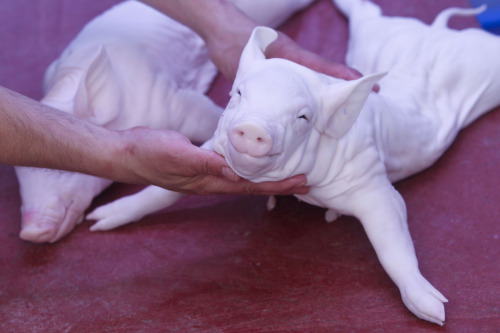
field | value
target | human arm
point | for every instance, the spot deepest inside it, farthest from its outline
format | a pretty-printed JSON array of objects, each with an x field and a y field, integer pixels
[
  {"x": 225, "y": 30},
  {"x": 33, "y": 134}
]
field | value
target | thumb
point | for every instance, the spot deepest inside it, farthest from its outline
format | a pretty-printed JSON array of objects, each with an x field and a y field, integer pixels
[{"x": 214, "y": 164}]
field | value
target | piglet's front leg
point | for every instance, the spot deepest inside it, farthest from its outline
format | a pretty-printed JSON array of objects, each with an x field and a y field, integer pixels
[
  {"x": 132, "y": 208},
  {"x": 383, "y": 216}
]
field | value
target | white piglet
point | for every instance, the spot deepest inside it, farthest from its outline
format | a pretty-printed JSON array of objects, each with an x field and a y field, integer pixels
[
  {"x": 122, "y": 70},
  {"x": 284, "y": 119},
  {"x": 130, "y": 66}
]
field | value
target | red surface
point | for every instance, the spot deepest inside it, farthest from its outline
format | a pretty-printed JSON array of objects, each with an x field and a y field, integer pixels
[{"x": 225, "y": 264}]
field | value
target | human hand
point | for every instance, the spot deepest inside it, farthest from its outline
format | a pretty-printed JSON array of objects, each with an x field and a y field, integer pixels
[
  {"x": 226, "y": 31},
  {"x": 284, "y": 47},
  {"x": 225, "y": 53},
  {"x": 168, "y": 159}
]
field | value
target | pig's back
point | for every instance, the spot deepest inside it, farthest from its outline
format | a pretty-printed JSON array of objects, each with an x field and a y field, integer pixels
[
  {"x": 131, "y": 27},
  {"x": 439, "y": 80}
]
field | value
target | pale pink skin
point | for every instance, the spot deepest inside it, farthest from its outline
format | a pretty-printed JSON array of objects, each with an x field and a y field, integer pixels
[
  {"x": 284, "y": 119},
  {"x": 400, "y": 131},
  {"x": 95, "y": 78},
  {"x": 51, "y": 210}
]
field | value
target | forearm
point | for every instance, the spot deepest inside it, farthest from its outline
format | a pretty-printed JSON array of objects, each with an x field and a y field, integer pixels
[
  {"x": 223, "y": 27},
  {"x": 33, "y": 134},
  {"x": 209, "y": 19},
  {"x": 225, "y": 30}
]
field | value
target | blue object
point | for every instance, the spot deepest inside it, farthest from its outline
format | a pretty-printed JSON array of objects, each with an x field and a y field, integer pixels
[{"x": 490, "y": 18}]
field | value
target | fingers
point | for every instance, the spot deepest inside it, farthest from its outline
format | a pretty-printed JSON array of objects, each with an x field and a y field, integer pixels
[
  {"x": 221, "y": 179},
  {"x": 284, "y": 47},
  {"x": 214, "y": 185},
  {"x": 319, "y": 64},
  {"x": 212, "y": 164},
  {"x": 293, "y": 185}
]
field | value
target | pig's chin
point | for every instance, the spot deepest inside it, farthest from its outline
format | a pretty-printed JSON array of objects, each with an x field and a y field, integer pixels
[{"x": 249, "y": 167}]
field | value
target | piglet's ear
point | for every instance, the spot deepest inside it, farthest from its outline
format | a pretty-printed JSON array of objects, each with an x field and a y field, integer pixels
[
  {"x": 254, "y": 50},
  {"x": 99, "y": 95},
  {"x": 342, "y": 103}
]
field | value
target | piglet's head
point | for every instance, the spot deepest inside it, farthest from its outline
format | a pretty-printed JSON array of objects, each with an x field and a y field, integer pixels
[{"x": 279, "y": 110}]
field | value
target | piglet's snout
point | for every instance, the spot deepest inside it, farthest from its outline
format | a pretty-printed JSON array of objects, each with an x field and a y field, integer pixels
[{"x": 251, "y": 138}]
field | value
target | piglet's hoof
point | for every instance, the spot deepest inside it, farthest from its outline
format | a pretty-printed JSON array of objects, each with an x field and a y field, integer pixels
[
  {"x": 38, "y": 232},
  {"x": 51, "y": 221},
  {"x": 425, "y": 301}
]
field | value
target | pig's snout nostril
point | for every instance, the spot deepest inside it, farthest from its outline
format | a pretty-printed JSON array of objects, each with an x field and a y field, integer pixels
[
  {"x": 251, "y": 139},
  {"x": 259, "y": 139}
]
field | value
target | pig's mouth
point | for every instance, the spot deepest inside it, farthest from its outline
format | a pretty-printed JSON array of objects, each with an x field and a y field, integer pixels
[{"x": 247, "y": 166}]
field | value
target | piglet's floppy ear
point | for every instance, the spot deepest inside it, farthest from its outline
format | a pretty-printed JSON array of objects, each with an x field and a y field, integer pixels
[
  {"x": 342, "y": 103},
  {"x": 254, "y": 50},
  {"x": 99, "y": 94}
]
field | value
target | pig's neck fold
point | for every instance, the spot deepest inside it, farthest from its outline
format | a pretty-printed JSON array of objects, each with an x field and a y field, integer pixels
[{"x": 351, "y": 162}]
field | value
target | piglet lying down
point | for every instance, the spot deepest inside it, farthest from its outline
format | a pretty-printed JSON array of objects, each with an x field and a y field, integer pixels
[
  {"x": 130, "y": 66},
  {"x": 122, "y": 70},
  {"x": 284, "y": 119}
]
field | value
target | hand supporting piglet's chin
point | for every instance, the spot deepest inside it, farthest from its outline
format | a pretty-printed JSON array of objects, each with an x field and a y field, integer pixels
[{"x": 176, "y": 164}]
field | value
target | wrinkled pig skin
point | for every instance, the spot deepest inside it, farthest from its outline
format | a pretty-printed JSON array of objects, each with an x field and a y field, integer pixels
[
  {"x": 351, "y": 143},
  {"x": 96, "y": 78}
]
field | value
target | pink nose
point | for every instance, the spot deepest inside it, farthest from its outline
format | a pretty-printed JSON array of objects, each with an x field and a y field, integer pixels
[{"x": 250, "y": 138}]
